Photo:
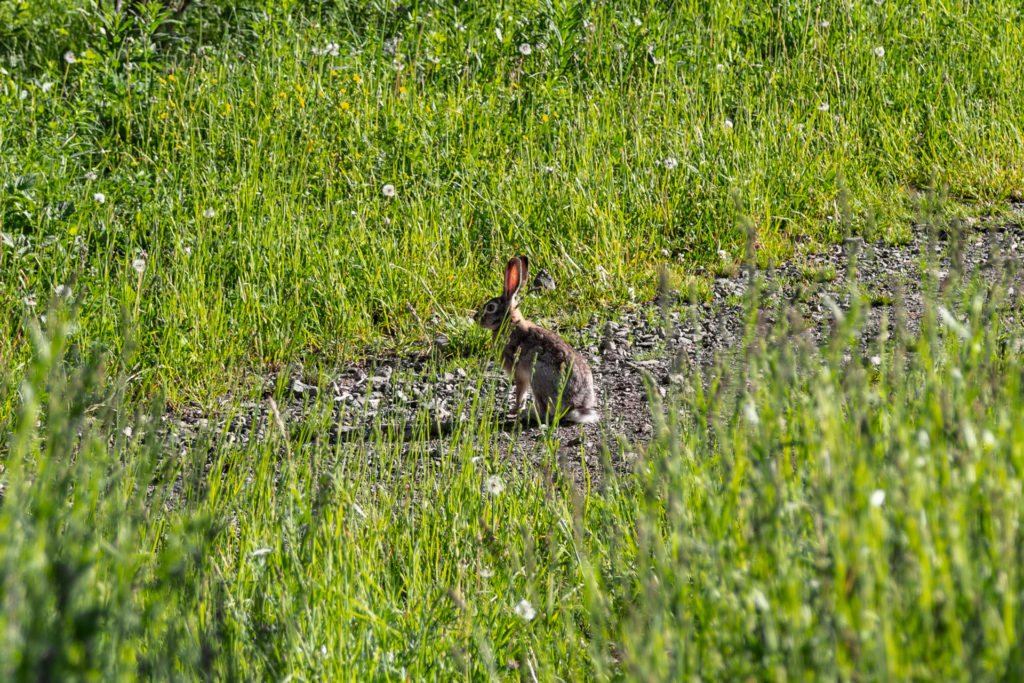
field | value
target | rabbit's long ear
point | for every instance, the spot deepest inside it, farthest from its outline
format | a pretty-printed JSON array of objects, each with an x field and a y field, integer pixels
[
  {"x": 513, "y": 278},
  {"x": 524, "y": 272}
]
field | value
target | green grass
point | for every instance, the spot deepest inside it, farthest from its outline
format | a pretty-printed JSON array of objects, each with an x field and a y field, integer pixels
[
  {"x": 557, "y": 154},
  {"x": 797, "y": 515}
]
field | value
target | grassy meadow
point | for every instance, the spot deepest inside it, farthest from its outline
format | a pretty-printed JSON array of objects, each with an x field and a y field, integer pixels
[{"x": 190, "y": 204}]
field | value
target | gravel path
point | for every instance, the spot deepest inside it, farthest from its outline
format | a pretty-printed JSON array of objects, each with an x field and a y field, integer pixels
[{"x": 666, "y": 339}]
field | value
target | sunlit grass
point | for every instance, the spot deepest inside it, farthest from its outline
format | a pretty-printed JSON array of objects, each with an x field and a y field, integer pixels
[
  {"x": 289, "y": 186},
  {"x": 246, "y": 160}
]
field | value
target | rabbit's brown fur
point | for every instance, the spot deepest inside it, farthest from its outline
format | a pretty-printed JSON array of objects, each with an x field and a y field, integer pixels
[{"x": 536, "y": 357}]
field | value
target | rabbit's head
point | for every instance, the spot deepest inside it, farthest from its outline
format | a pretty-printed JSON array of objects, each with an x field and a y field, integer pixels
[{"x": 492, "y": 313}]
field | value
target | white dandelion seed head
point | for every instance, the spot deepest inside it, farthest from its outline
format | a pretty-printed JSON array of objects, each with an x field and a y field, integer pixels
[
  {"x": 388, "y": 190},
  {"x": 877, "y": 498},
  {"x": 63, "y": 291},
  {"x": 823, "y": 106},
  {"x": 879, "y": 51},
  {"x": 494, "y": 485},
  {"x": 46, "y": 86},
  {"x": 720, "y": 68},
  {"x": 825, "y": 23},
  {"x": 525, "y": 611},
  {"x": 669, "y": 163},
  {"x": 637, "y": 21},
  {"x": 727, "y": 125},
  {"x": 29, "y": 301},
  {"x": 70, "y": 57},
  {"x": 723, "y": 255},
  {"x": 127, "y": 431},
  {"x": 100, "y": 198},
  {"x": 91, "y": 175},
  {"x": 525, "y": 50},
  {"x": 209, "y": 212},
  {"x": 139, "y": 265}
]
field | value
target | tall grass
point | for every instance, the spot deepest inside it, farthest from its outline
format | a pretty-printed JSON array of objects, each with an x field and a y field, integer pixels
[
  {"x": 183, "y": 204},
  {"x": 840, "y": 513},
  {"x": 243, "y": 156}
]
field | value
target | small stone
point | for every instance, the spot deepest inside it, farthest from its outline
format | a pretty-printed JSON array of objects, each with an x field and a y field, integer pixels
[
  {"x": 301, "y": 389},
  {"x": 543, "y": 281}
]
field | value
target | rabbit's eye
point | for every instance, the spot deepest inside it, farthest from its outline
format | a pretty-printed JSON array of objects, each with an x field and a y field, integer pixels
[{"x": 491, "y": 307}]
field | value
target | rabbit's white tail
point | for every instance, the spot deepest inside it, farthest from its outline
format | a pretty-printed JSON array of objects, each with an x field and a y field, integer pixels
[{"x": 583, "y": 416}]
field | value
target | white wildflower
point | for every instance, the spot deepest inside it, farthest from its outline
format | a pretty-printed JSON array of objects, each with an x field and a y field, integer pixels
[
  {"x": 323, "y": 650},
  {"x": 70, "y": 57},
  {"x": 727, "y": 125},
  {"x": 825, "y": 23},
  {"x": 100, "y": 197},
  {"x": 493, "y": 485},
  {"x": 879, "y": 51},
  {"x": 637, "y": 22},
  {"x": 209, "y": 212},
  {"x": 486, "y": 572},
  {"x": 723, "y": 255},
  {"x": 877, "y": 498},
  {"x": 750, "y": 413},
  {"x": 331, "y": 49},
  {"x": 46, "y": 86},
  {"x": 823, "y": 106},
  {"x": 524, "y": 610},
  {"x": 525, "y": 49},
  {"x": 63, "y": 291},
  {"x": 139, "y": 265},
  {"x": 759, "y": 600},
  {"x": 91, "y": 175},
  {"x": 669, "y": 163},
  {"x": 720, "y": 68},
  {"x": 127, "y": 431},
  {"x": 29, "y": 301},
  {"x": 388, "y": 190}
]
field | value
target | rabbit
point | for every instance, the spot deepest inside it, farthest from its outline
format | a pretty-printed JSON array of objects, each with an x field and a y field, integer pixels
[{"x": 536, "y": 357}]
